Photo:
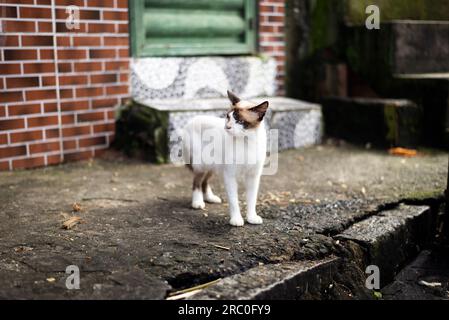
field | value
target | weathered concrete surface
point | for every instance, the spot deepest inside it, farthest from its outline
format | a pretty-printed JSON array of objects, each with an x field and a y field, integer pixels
[
  {"x": 275, "y": 282},
  {"x": 139, "y": 232},
  {"x": 391, "y": 237}
]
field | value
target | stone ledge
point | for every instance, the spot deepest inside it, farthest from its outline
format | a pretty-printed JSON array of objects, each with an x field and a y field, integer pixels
[
  {"x": 290, "y": 280},
  {"x": 391, "y": 238}
]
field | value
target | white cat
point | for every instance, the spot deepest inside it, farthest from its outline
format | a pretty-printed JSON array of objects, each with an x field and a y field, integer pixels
[{"x": 233, "y": 147}]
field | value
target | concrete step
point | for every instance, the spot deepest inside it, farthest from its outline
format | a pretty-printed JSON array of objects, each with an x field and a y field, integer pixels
[
  {"x": 387, "y": 240},
  {"x": 293, "y": 280},
  {"x": 298, "y": 123},
  {"x": 391, "y": 238},
  {"x": 381, "y": 122}
]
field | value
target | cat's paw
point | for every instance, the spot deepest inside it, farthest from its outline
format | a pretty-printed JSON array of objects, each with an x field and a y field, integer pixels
[
  {"x": 199, "y": 205},
  {"x": 254, "y": 219},
  {"x": 212, "y": 198},
  {"x": 237, "y": 222}
]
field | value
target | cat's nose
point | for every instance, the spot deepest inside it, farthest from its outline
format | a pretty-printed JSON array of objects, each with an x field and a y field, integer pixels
[{"x": 227, "y": 127}]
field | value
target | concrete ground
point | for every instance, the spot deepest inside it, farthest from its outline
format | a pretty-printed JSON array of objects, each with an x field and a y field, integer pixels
[{"x": 139, "y": 238}]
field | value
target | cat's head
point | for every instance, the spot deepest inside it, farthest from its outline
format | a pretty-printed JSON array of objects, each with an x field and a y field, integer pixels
[{"x": 244, "y": 116}]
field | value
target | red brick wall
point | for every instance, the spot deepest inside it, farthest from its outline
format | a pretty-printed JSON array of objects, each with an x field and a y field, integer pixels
[
  {"x": 57, "y": 102},
  {"x": 271, "y": 36},
  {"x": 59, "y": 90}
]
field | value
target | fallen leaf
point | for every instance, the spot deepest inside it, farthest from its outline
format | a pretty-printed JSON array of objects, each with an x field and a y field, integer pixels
[
  {"x": 76, "y": 207},
  {"x": 71, "y": 222},
  {"x": 51, "y": 280},
  {"x": 403, "y": 152}
]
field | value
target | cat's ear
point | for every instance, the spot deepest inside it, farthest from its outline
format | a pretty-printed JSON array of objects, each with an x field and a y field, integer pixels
[
  {"x": 233, "y": 98},
  {"x": 261, "y": 110}
]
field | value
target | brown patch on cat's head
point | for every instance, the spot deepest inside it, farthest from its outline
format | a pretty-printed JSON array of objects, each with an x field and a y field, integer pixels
[{"x": 246, "y": 113}]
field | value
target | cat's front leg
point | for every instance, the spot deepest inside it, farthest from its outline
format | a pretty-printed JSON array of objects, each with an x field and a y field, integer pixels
[
  {"x": 252, "y": 188},
  {"x": 231, "y": 187}
]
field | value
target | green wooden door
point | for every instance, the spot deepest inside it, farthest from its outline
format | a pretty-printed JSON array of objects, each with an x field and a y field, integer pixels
[{"x": 192, "y": 27}]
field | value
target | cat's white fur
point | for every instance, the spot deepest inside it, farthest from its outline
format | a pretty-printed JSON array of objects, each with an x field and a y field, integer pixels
[{"x": 246, "y": 162}]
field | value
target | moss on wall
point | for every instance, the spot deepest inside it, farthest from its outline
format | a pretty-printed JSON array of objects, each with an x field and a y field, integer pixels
[{"x": 397, "y": 9}]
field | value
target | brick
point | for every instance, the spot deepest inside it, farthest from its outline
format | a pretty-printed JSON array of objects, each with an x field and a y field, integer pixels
[
  {"x": 124, "y": 78},
  {"x": 19, "y": 26},
  {"x": 44, "y": 147},
  {"x": 123, "y": 28},
  {"x": 87, "y": 41},
  {"x": 104, "y": 127},
  {"x": 26, "y": 136},
  {"x": 77, "y": 156},
  {"x": 12, "y": 124},
  {"x": 8, "y": 12},
  {"x": 46, "y": 54},
  {"x": 36, "y": 40},
  {"x": 9, "y": 152},
  {"x": 11, "y": 96},
  {"x": 75, "y": 131},
  {"x": 10, "y": 41},
  {"x": 117, "y": 65},
  {"x": 62, "y": 28},
  {"x": 68, "y": 119},
  {"x": 20, "y": 54},
  {"x": 9, "y": 68},
  {"x": 104, "y": 103},
  {"x": 103, "y": 78},
  {"x": 52, "y": 133},
  {"x": 89, "y": 92},
  {"x": 3, "y": 138},
  {"x": 4, "y": 165},
  {"x": 68, "y": 54},
  {"x": 116, "y": 41},
  {"x": 94, "y": 116},
  {"x": 89, "y": 142},
  {"x": 63, "y": 41},
  {"x": 84, "y": 14},
  {"x": 88, "y": 66},
  {"x": 72, "y": 80},
  {"x": 101, "y": 53},
  {"x": 64, "y": 67},
  {"x": 45, "y": 26},
  {"x": 120, "y": 89},
  {"x": 123, "y": 53},
  {"x": 28, "y": 163},
  {"x": 22, "y": 82},
  {"x": 66, "y": 93},
  {"x": 50, "y": 107},
  {"x": 70, "y": 145},
  {"x": 115, "y": 15},
  {"x": 40, "y": 95},
  {"x": 19, "y": 110},
  {"x": 53, "y": 159},
  {"x": 74, "y": 105},
  {"x": 39, "y": 67},
  {"x": 79, "y": 3},
  {"x": 35, "y": 13},
  {"x": 48, "y": 81},
  {"x": 102, "y": 3},
  {"x": 101, "y": 28},
  {"x": 42, "y": 121},
  {"x": 2, "y": 111}
]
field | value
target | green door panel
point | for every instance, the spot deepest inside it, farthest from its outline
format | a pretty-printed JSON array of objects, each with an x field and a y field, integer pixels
[{"x": 197, "y": 27}]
